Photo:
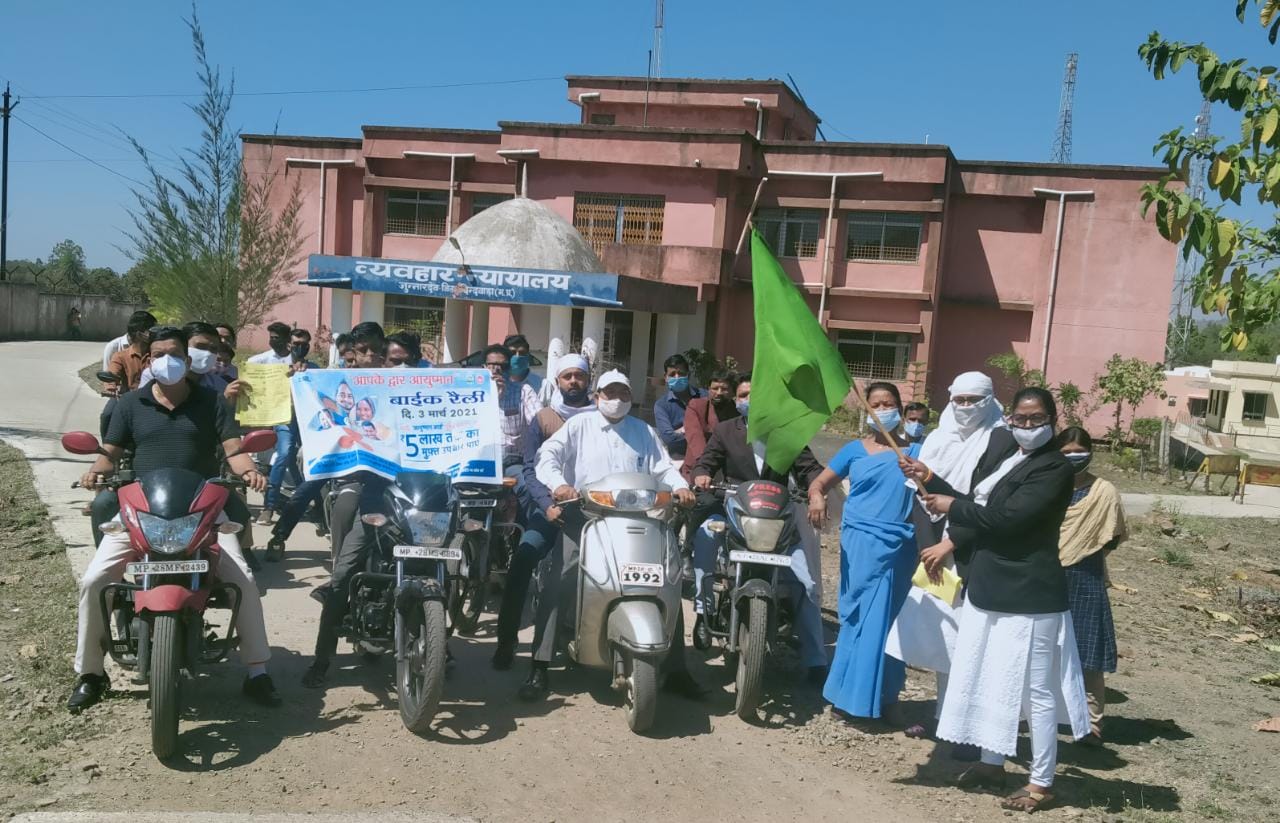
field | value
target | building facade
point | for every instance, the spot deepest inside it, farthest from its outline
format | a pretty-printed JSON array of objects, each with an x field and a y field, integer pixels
[
  {"x": 1244, "y": 402},
  {"x": 919, "y": 265}
]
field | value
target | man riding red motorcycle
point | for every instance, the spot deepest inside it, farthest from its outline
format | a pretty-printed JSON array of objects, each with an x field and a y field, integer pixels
[{"x": 170, "y": 424}]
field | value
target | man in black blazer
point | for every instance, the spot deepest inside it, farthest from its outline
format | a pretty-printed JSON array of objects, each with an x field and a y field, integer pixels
[{"x": 730, "y": 455}]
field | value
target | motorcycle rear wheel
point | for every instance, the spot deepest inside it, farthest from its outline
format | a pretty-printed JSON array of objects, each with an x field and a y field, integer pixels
[
  {"x": 475, "y": 591},
  {"x": 420, "y": 664},
  {"x": 165, "y": 688},
  {"x": 752, "y": 642},
  {"x": 641, "y": 693}
]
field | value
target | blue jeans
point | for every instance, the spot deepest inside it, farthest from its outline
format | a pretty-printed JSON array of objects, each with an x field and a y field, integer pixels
[
  {"x": 288, "y": 439},
  {"x": 808, "y": 622}
]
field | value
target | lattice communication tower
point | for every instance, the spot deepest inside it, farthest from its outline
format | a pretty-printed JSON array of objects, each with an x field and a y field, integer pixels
[
  {"x": 1061, "y": 152},
  {"x": 1180, "y": 321}
]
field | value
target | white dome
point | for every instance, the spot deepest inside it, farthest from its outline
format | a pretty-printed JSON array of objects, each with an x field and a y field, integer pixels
[{"x": 521, "y": 234}]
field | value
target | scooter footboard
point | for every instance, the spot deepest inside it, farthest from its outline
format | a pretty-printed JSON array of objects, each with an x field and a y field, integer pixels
[{"x": 637, "y": 625}]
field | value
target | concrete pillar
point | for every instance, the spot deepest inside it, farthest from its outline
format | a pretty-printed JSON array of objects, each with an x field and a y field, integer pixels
[
  {"x": 693, "y": 329},
  {"x": 339, "y": 317},
  {"x": 372, "y": 306},
  {"x": 638, "y": 368},
  {"x": 560, "y": 325},
  {"x": 455, "y": 331},
  {"x": 479, "y": 326},
  {"x": 667, "y": 341},
  {"x": 593, "y": 329}
]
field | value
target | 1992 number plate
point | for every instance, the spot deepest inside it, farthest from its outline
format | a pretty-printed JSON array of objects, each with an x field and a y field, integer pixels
[
  {"x": 427, "y": 552},
  {"x": 761, "y": 557},
  {"x": 642, "y": 574},
  {"x": 168, "y": 567}
]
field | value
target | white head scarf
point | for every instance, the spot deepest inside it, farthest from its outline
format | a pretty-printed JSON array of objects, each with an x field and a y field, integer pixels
[
  {"x": 953, "y": 450},
  {"x": 557, "y": 404}
]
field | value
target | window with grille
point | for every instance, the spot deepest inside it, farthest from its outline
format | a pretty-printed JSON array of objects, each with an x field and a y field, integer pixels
[
  {"x": 424, "y": 316},
  {"x": 411, "y": 211},
  {"x": 633, "y": 220},
  {"x": 888, "y": 236},
  {"x": 874, "y": 355},
  {"x": 790, "y": 232},
  {"x": 1255, "y": 406},
  {"x": 480, "y": 202}
]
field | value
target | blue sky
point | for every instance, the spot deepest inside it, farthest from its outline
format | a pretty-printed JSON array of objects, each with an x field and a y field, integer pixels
[{"x": 982, "y": 77}]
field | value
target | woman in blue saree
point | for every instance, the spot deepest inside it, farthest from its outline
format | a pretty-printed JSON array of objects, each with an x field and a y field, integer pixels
[{"x": 877, "y": 558}]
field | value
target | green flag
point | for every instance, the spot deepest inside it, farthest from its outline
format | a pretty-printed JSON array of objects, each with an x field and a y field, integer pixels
[{"x": 798, "y": 378}]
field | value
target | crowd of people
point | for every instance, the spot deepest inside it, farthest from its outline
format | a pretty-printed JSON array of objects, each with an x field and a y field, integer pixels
[{"x": 975, "y": 550}]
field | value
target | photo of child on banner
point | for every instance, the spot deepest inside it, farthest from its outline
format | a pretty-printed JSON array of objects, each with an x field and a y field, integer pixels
[{"x": 394, "y": 420}]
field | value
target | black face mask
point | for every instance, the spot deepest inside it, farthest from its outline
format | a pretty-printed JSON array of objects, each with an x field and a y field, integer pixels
[
  {"x": 576, "y": 397},
  {"x": 300, "y": 350}
]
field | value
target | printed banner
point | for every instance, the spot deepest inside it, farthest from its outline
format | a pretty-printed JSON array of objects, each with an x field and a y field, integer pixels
[
  {"x": 266, "y": 403},
  {"x": 396, "y": 420}
]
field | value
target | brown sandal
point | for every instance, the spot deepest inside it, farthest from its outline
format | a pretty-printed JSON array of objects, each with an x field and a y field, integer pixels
[{"x": 1026, "y": 800}]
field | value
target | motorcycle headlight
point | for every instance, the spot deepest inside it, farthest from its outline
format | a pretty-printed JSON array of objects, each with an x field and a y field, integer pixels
[
  {"x": 169, "y": 536},
  {"x": 428, "y": 528},
  {"x": 762, "y": 534},
  {"x": 631, "y": 500}
]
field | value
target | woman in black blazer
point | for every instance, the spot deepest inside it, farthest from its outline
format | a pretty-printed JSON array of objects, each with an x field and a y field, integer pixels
[{"x": 1015, "y": 655}]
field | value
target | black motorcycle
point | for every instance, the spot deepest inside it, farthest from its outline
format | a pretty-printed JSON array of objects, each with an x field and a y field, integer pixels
[
  {"x": 488, "y": 514},
  {"x": 398, "y": 603},
  {"x": 752, "y": 607}
]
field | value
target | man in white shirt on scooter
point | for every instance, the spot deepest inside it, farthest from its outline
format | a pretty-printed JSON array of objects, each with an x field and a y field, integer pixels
[{"x": 590, "y": 447}]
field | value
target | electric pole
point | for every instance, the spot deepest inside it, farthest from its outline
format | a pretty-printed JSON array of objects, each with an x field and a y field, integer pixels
[{"x": 4, "y": 187}]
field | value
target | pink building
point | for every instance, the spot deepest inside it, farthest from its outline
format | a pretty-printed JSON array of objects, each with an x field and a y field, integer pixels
[{"x": 920, "y": 265}]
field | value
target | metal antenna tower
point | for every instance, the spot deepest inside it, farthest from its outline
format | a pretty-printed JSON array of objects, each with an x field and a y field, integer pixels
[
  {"x": 1061, "y": 152},
  {"x": 657, "y": 37},
  {"x": 1180, "y": 322}
]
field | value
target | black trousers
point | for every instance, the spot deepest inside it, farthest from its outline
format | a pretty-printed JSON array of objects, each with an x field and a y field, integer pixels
[{"x": 352, "y": 556}]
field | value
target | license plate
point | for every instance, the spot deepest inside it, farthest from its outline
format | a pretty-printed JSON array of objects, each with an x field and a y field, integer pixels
[
  {"x": 168, "y": 567},
  {"x": 642, "y": 574},
  {"x": 427, "y": 552},
  {"x": 761, "y": 557},
  {"x": 478, "y": 504}
]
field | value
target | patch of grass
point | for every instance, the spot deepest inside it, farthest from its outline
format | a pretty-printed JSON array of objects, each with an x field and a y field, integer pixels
[
  {"x": 1176, "y": 557},
  {"x": 37, "y": 627},
  {"x": 845, "y": 421}
]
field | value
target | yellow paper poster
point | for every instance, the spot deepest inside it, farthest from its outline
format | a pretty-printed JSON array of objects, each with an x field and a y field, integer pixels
[
  {"x": 947, "y": 590},
  {"x": 267, "y": 402}
]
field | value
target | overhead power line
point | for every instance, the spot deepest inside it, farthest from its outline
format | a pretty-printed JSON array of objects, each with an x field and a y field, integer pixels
[
  {"x": 77, "y": 153},
  {"x": 152, "y": 95}
]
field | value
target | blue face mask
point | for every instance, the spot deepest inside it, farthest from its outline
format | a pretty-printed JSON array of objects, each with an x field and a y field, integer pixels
[
  {"x": 678, "y": 385},
  {"x": 913, "y": 428},
  {"x": 742, "y": 406},
  {"x": 519, "y": 365},
  {"x": 889, "y": 420}
]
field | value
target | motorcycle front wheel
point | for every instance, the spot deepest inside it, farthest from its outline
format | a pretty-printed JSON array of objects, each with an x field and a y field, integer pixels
[
  {"x": 641, "y": 694},
  {"x": 752, "y": 641},
  {"x": 165, "y": 688},
  {"x": 420, "y": 662}
]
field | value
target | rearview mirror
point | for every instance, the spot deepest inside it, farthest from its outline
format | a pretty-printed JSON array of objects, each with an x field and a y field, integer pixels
[
  {"x": 107, "y": 377},
  {"x": 256, "y": 441},
  {"x": 81, "y": 443}
]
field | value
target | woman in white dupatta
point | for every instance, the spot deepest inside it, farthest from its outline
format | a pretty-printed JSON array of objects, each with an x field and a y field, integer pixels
[{"x": 924, "y": 634}]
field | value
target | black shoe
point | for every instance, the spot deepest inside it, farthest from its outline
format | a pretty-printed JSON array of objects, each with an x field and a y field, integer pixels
[
  {"x": 537, "y": 687},
  {"x": 701, "y": 634},
  {"x": 320, "y": 593},
  {"x": 261, "y": 690},
  {"x": 252, "y": 559},
  {"x": 275, "y": 550},
  {"x": 504, "y": 655},
  {"x": 683, "y": 684},
  {"x": 89, "y": 690},
  {"x": 315, "y": 676},
  {"x": 817, "y": 676}
]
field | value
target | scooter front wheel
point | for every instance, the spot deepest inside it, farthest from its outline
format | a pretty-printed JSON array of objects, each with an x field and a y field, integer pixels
[{"x": 641, "y": 695}]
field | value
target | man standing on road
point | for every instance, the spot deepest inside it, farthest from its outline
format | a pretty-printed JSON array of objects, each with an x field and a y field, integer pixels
[
  {"x": 668, "y": 412},
  {"x": 590, "y": 447},
  {"x": 288, "y": 347},
  {"x": 170, "y": 423}
]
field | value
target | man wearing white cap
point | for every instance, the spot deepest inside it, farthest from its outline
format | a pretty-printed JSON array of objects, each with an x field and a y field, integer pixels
[{"x": 590, "y": 447}]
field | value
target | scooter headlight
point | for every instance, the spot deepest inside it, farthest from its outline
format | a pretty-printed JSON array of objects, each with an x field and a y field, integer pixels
[
  {"x": 631, "y": 500},
  {"x": 169, "y": 536},
  {"x": 762, "y": 534},
  {"x": 428, "y": 528}
]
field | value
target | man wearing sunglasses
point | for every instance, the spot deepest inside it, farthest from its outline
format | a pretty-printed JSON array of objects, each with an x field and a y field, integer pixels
[{"x": 517, "y": 401}]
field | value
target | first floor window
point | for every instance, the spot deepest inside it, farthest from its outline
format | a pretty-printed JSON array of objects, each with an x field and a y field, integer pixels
[
  {"x": 875, "y": 355},
  {"x": 633, "y": 220},
  {"x": 480, "y": 202},
  {"x": 790, "y": 232},
  {"x": 412, "y": 211},
  {"x": 884, "y": 235},
  {"x": 1255, "y": 407}
]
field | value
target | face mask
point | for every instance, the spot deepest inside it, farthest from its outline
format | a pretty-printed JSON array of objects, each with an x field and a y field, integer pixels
[
  {"x": 168, "y": 370},
  {"x": 888, "y": 420},
  {"x": 678, "y": 384},
  {"x": 299, "y": 351},
  {"x": 913, "y": 428},
  {"x": 614, "y": 409},
  {"x": 1032, "y": 439},
  {"x": 967, "y": 416},
  {"x": 1079, "y": 460},
  {"x": 202, "y": 362},
  {"x": 519, "y": 365},
  {"x": 743, "y": 406}
]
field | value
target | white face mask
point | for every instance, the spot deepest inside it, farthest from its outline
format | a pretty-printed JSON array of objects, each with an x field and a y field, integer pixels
[
  {"x": 202, "y": 362},
  {"x": 614, "y": 409},
  {"x": 1032, "y": 439},
  {"x": 967, "y": 416},
  {"x": 168, "y": 370}
]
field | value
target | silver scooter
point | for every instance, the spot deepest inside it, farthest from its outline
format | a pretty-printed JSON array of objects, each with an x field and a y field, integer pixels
[{"x": 628, "y": 587}]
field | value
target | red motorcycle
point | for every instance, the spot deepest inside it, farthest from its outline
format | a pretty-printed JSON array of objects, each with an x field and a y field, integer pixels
[{"x": 155, "y": 623}]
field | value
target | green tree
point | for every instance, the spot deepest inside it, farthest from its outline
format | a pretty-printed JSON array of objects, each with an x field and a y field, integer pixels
[
  {"x": 1014, "y": 368},
  {"x": 206, "y": 241},
  {"x": 1240, "y": 277},
  {"x": 1128, "y": 380},
  {"x": 66, "y": 267},
  {"x": 1071, "y": 401}
]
